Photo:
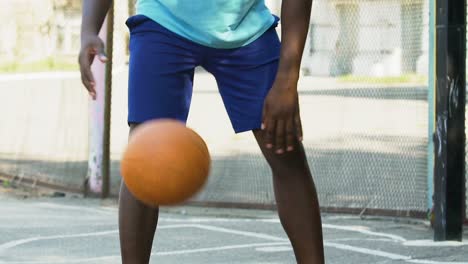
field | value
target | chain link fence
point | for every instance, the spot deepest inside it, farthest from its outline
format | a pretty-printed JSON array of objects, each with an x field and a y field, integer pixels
[
  {"x": 363, "y": 101},
  {"x": 375, "y": 149},
  {"x": 45, "y": 122},
  {"x": 364, "y": 110},
  {"x": 44, "y": 131},
  {"x": 44, "y": 119}
]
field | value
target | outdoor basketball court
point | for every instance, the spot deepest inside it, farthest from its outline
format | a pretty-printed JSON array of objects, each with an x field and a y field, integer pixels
[
  {"x": 383, "y": 106},
  {"x": 76, "y": 230}
]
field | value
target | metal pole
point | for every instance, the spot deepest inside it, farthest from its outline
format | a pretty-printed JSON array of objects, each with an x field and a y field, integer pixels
[
  {"x": 449, "y": 136},
  {"x": 107, "y": 106}
]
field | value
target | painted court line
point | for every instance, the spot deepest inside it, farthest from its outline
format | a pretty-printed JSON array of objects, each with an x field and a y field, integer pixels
[
  {"x": 364, "y": 230},
  {"x": 431, "y": 243},
  {"x": 167, "y": 253},
  {"x": 360, "y": 239},
  {"x": 15, "y": 243},
  {"x": 433, "y": 262},
  {"x": 377, "y": 253},
  {"x": 279, "y": 241},
  {"x": 387, "y": 255},
  {"x": 366, "y": 251},
  {"x": 220, "y": 248},
  {"x": 208, "y": 220},
  {"x": 19, "y": 242},
  {"x": 274, "y": 249},
  {"x": 72, "y": 207},
  {"x": 359, "y": 229},
  {"x": 238, "y": 232},
  {"x": 65, "y": 260},
  {"x": 362, "y": 250}
]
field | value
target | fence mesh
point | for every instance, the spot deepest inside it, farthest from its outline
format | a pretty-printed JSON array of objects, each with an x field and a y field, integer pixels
[
  {"x": 44, "y": 131},
  {"x": 374, "y": 153},
  {"x": 44, "y": 120},
  {"x": 364, "y": 109},
  {"x": 363, "y": 102}
]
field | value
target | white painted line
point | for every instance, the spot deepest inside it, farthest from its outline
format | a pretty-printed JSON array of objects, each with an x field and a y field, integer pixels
[
  {"x": 274, "y": 249},
  {"x": 424, "y": 261},
  {"x": 274, "y": 221},
  {"x": 115, "y": 258},
  {"x": 377, "y": 253},
  {"x": 15, "y": 243},
  {"x": 206, "y": 220},
  {"x": 173, "y": 226},
  {"x": 18, "y": 242},
  {"x": 364, "y": 230},
  {"x": 431, "y": 243},
  {"x": 111, "y": 209},
  {"x": 341, "y": 217},
  {"x": 388, "y": 255},
  {"x": 75, "y": 208},
  {"x": 221, "y": 248},
  {"x": 243, "y": 233},
  {"x": 267, "y": 246},
  {"x": 167, "y": 253},
  {"x": 360, "y": 239},
  {"x": 360, "y": 229}
]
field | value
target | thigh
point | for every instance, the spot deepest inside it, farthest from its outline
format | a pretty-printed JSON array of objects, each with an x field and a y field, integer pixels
[
  {"x": 161, "y": 72},
  {"x": 244, "y": 77}
]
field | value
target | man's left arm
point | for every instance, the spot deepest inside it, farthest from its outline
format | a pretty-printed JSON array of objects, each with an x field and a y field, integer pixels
[{"x": 281, "y": 119}]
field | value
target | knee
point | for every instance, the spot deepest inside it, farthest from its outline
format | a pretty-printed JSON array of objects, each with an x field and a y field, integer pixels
[{"x": 293, "y": 160}]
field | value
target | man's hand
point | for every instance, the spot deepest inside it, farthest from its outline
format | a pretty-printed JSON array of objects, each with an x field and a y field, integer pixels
[
  {"x": 91, "y": 46},
  {"x": 94, "y": 13},
  {"x": 281, "y": 117},
  {"x": 281, "y": 120}
]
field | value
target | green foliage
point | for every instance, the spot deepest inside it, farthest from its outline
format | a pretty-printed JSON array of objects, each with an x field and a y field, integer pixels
[
  {"x": 48, "y": 64},
  {"x": 407, "y": 78},
  {"x": 6, "y": 183}
]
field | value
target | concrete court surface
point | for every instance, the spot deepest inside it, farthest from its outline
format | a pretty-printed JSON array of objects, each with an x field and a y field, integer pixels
[{"x": 76, "y": 230}]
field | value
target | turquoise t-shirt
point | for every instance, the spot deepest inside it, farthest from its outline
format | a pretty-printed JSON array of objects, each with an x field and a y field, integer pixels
[{"x": 214, "y": 23}]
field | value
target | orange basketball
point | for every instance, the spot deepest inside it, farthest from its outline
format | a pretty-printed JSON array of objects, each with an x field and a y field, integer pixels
[{"x": 165, "y": 162}]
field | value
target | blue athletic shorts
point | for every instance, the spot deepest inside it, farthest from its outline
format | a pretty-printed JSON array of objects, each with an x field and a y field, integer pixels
[{"x": 162, "y": 66}]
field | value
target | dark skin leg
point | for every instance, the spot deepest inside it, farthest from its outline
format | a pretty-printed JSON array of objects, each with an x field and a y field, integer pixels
[
  {"x": 295, "y": 195},
  {"x": 296, "y": 200},
  {"x": 137, "y": 225},
  {"x": 294, "y": 189}
]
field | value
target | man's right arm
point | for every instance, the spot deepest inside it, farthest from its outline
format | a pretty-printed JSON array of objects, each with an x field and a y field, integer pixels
[{"x": 94, "y": 13}]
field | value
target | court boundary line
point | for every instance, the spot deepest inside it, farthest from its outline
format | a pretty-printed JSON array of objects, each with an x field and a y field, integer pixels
[{"x": 284, "y": 241}]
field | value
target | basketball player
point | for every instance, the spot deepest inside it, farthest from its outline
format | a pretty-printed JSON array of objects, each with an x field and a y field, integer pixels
[{"x": 236, "y": 41}]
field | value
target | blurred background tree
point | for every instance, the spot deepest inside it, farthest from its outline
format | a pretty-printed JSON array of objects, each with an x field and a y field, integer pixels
[{"x": 44, "y": 35}]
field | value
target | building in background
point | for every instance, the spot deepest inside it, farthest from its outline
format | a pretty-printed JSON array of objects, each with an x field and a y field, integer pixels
[
  {"x": 32, "y": 30},
  {"x": 38, "y": 30},
  {"x": 347, "y": 37},
  {"x": 368, "y": 38}
]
